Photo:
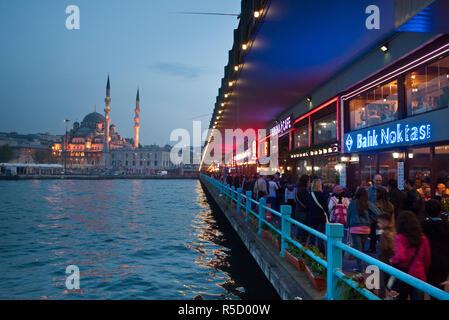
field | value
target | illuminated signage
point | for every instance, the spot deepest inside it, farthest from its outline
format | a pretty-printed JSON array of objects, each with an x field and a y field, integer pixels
[
  {"x": 243, "y": 155},
  {"x": 388, "y": 136},
  {"x": 282, "y": 126},
  {"x": 254, "y": 151}
]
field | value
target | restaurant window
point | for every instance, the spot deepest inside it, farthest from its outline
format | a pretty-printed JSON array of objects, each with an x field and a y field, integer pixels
[
  {"x": 301, "y": 139},
  {"x": 427, "y": 88},
  {"x": 419, "y": 164},
  {"x": 304, "y": 167},
  {"x": 442, "y": 168},
  {"x": 374, "y": 107},
  {"x": 325, "y": 129},
  {"x": 367, "y": 169},
  {"x": 388, "y": 166},
  {"x": 324, "y": 168}
]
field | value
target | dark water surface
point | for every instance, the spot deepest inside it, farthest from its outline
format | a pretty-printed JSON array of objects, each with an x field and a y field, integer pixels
[{"x": 131, "y": 239}]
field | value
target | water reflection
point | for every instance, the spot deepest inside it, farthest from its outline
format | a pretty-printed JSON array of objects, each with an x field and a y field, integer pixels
[{"x": 130, "y": 239}]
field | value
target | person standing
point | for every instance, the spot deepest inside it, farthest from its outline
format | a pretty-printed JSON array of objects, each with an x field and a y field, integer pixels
[
  {"x": 318, "y": 214},
  {"x": 396, "y": 196},
  {"x": 437, "y": 231},
  {"x": 372, "y": 192},
  {"x": 414, "y": 201},
  {"x": 338, "y": 206},
  {"x": 411, "y": 254},
  {"x": 361, "y": 214},
  {"x": 302, "y": 194},
  {"x": 289, "y": 197},
  {"x": 260, "y": 188},
  {"x": 386, "y": 246},
  {"x": 382, "y": 202}
]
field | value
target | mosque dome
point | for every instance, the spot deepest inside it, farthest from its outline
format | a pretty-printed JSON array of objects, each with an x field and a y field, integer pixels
[{"x": 94, "y": 117}]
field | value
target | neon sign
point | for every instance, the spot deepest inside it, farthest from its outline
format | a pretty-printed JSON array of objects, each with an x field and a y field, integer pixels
[
  {"x": 254, "y": 151},
  {"x": 243, "y": 155},
  {"x": 387, "y": 136},
  {"x": 281, "y": 127}
]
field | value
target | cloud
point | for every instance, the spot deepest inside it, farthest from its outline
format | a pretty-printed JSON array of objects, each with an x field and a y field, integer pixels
[{"x": 177, "y": 70}]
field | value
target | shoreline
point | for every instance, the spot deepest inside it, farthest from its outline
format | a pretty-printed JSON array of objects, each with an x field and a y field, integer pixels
[{"x": 95, "y": 177}]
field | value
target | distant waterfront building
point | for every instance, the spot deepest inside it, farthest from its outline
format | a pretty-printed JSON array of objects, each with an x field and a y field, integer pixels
[
  {"x": 25, "y": 146},
  {"x": 146, "y": 160},
  {"x": 88, "y": 144}
]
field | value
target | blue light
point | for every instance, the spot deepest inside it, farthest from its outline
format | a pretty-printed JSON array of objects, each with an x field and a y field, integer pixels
[{"x": 392, "y": 135}]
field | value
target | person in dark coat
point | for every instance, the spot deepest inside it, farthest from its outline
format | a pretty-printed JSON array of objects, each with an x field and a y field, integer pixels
[
  {"x": 301, "y": 209},
  {"x": 396, "y": 197},
  {"x": 414, "y": 201},
  {"x": 318, "y": 214},
  {"x": 437, "y": 231}
]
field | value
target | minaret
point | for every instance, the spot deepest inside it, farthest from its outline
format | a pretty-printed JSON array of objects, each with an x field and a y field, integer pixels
[
  {"x": 107, "y": 111},
  {"x": 137, "y": 121}
]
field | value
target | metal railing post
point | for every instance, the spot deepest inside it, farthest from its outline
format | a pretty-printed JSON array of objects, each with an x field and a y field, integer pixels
[
  {"x": 262, "y": 203},
  {"x": 334, "y": 233},
  {"x": 286, "y": 212},
  {"x": 228, "y": 191},
  {"x": 239, "y": 199},
  {"x": 232, "y": 193},
  {"x": 248, "y": 205}
]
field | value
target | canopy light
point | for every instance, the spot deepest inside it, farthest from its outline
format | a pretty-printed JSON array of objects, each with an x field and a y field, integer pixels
[
  {"x": 384, "y": 48},
  {"x": 226, "y": 95},
  {"x": 244, "y": 46},
  {"x": 309, "y": 98},
  {"x": 256, "y": 14},
  {"x": 236, "y": 68},
  {"x": 222, "y": 104},
  {"x": 231, "y": 83}
]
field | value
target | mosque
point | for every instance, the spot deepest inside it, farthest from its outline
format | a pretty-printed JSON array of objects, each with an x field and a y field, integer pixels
[{"x": 90, "y": 143}]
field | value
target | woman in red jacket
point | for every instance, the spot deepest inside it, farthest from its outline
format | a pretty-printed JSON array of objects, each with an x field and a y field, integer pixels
[{"x": 411, "y": 253}]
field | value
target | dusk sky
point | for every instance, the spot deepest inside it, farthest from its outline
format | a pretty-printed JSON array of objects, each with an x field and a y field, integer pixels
[{"x": 49, "y": 73}]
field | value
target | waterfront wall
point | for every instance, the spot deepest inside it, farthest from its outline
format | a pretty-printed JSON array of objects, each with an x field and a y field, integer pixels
[{"x": 286, "y": 279}]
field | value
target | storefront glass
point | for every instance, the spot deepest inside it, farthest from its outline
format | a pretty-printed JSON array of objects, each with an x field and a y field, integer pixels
[
  {"x": 374, "y": 107},
  {"x": 301, "y": 139},
  {"x": 324, "y": 168},
  {"x": 419, "y": 164},
  {"x": 304, "y": 167},
  {"x": 325, "y": 129},
  {"x": 442, "y": 167},
  {"x": 367, "y": 168},
  {"x": 388, "y": 165},
  {"x": 428, "y": 87}
]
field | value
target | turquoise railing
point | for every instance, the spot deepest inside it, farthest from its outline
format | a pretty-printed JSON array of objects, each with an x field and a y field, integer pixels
[{"x": 333, "y": 239}]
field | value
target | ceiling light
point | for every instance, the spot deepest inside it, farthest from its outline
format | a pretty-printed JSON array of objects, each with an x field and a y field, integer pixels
[
  {"x": 309, "y": 98},
  {"x": 222, "y": 104},
  {"x": 244, "y": 46},
  {"x": 231, "y": 83},
  {"x": 256, "y": 14},
  {"x": 384, "y": 48},
  {"x": 236, "y": 68}
]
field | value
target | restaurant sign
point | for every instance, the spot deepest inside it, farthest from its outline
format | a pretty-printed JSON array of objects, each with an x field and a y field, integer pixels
[
  {"x": 416, "y": 130},
  {"x": 282, "y": 126}
]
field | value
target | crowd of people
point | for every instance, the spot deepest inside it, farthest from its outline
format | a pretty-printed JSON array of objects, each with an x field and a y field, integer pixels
[{"x": 402, "y": 228}]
